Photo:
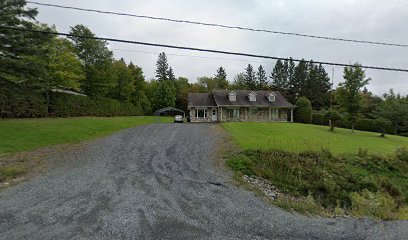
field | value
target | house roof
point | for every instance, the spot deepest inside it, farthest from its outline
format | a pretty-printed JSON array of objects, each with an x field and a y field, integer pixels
[
  {"x": 201, "y": 100},
  {"x": 221, "y": 99}
]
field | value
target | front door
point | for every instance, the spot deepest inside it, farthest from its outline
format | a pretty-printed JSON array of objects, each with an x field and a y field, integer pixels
[{"x": 214, "y": 115}]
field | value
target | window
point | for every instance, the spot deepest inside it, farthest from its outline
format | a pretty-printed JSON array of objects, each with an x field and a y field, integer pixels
[
  {"x": 201, "y": 113},
  {"x": 232, "y": 96},
  {"x": 271, "y": 97},
  {"x": 233, "y": 113},
  {"x": 252, "y": 97}
]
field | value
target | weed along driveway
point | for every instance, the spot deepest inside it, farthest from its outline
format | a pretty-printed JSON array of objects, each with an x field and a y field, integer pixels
[{"x": 159, "y": 181}]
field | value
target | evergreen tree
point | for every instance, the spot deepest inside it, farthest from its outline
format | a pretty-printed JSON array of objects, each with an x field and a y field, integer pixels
[
  {"x": 290, "y": 76},
  {"x": 262, "y": 79},
  {"x": 21, "y": 53},
  {"x": 279, "y": 77},
  {"x": 162, "y": 67},
  {"x": 250, "y": 79},
  {"x": 349, "y": 96},
  {"x": 170, "y": 74},
  {"x": 299, "y": 81},
  {"x": 221, "y": 79}
]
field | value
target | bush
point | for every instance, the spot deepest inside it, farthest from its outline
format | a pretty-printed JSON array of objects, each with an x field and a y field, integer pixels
[
  {"x": 303, "y": 111},
  {"x": 67, "y": 105},
  {"x": 379, "y": 204},
  {"x": 242, "y": 164},
  {"x": 334, "y": 117},
  {"x": 319, "y": 119},
  {"x": 382, "y": 124},
  {"x": 20, "y": 102},
  {"x": 402, "y": 154}
]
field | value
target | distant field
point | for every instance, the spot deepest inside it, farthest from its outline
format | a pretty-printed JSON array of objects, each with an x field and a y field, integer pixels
[
  {"x": 296, "y": 137},
  {"x": 27, "y": 134}
]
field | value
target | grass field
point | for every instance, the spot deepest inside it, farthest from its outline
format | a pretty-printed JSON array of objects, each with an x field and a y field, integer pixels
[
  {"x": 27, "y": 134},
  {"x": 295, "y": 137}
]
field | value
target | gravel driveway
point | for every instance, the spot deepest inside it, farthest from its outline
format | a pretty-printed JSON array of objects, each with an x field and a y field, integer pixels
[{"x": 159, "y": 182}]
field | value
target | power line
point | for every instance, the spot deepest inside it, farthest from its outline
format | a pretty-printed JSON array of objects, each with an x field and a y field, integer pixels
[
  {"x": 185, "y": 55},
  {"x": 195, "y": 49},
  {"x": 222, "y": 25}
]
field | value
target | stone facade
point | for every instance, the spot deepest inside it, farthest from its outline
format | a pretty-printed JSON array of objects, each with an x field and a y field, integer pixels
[
  {"x": 208, "y": 118},
  {"x": 252, "y": 115}
]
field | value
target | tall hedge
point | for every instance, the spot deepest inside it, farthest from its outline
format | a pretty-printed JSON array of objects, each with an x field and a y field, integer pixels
[
  {"x": 68, "y": 105},
  {"x": 363, "y": 124},
  {"x": 20, "y": 102},
  {"x": 303, "y": 110},
  {"x": 17, "y": 101}
]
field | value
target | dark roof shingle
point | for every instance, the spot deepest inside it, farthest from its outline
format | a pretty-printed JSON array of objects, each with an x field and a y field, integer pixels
[
  {"x": 221, "y": 98},
  {"x": 201, "y": 100}
]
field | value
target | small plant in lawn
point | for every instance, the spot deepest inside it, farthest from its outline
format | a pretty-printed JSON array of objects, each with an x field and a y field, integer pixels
[
  {"x": 383, "y": 124},
  {"x": 333, "y": 116}
]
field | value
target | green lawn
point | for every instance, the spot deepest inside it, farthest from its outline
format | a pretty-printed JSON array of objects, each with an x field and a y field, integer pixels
[
  {"x": 27, "y": 134},
  {"x": 295, "y": 137}
]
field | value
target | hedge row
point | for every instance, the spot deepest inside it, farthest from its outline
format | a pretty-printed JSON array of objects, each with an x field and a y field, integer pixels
[
  {"x": 17, "y": 101},
  {"x": 67, "y": 105},
  {"x": 20, "y": 102},
  {"x": 363, "y": 124}
]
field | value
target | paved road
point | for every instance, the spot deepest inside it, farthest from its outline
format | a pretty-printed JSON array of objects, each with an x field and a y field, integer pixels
[{"x": 158, "y": 182}]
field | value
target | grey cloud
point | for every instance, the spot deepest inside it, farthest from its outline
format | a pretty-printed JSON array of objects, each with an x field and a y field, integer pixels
[{"x": 368, "y": 20}]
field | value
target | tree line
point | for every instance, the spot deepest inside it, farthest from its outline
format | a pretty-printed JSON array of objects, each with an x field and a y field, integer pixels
[{"x": 86, "y": 65}]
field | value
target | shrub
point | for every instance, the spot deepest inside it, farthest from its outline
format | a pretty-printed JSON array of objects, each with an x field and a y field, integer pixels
[
  {"x": 382, "y": 124},
  {"x": 303, "y": 111},
  {"x": 67, "y": 105},
  {"x": 334, "y": 117},
  {"x": 380, "y": 204},
  {"x": 402, "y": 154},
  {"x": 241, "y": 163},
  {"x": 20, "y": 102},
  {"x": 319, "y": 119}
]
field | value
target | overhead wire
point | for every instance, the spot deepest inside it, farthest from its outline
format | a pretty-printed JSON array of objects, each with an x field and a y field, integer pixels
[{"x": 197, "y": 49}]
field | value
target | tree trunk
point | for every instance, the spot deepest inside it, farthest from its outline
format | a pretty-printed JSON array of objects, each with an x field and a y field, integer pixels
[
  {"x": 383, "y": 132},
  {"x": 47, "y": 95},
  {"x": 396, "y": 128},
  {"x": 352, "y": 126},
  {"x": 332, "y": 127}
]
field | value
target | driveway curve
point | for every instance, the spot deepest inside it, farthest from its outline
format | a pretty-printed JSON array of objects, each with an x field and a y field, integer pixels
[{"x": 159, "y": 182}]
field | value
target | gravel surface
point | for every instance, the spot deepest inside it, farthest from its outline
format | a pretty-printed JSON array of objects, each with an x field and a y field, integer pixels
[{"x": 159, "y": 182}]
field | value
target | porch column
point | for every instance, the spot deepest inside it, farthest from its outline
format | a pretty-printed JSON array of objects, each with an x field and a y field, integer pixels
[
  {"x": 291, "y": 115},
  {"x": 270, "y": 114},
  {"x": 220, "y": 114}
]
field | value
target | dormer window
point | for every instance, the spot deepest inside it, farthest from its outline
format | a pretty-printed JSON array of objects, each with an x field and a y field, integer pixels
[
  {"x": 252, "y": 97},
  {"x": 232, "y": 96},
  {"x": 271, "y": 97}
]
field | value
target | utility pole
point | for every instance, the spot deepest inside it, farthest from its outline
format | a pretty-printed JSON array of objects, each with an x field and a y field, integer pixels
[{"x": 331, "y": 95}]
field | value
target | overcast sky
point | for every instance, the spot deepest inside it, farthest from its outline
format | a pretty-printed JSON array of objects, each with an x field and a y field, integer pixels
[{"x": 376, "y": 20}]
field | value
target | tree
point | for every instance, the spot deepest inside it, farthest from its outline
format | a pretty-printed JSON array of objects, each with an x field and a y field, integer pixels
[
  {"x": 182, "y": 90},
  {"x": 348, "y": 95},
  {"x": 221, "y": 79},
  {"x": 170, "y": 74},
  {"x": 250, "y": 79},
  {"x": 21, "y": 53},
  {"x": 97, "y": 61},
  {"x": 63, "y": 69},
  {"x": 303, "y": 111},
  {"x": 333, "y": 116},
  {"x": 138, "y": 96},
  {"x": 383, "y": 123},
  {"x": 164, "y": 95},
  {"x": 279, "y": 77},
  {"x": 394, "y": 108},
  {"x": 162, "y": 67},
  {"x": 207, "y": 84},
  {"x": 123, "y": 81},
  {"x": 298, "y": 83},
  {"x": 239, "y": 82},
  {"x": 262, "y": 79}
]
